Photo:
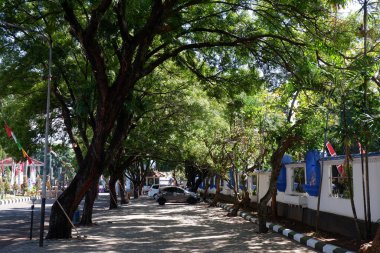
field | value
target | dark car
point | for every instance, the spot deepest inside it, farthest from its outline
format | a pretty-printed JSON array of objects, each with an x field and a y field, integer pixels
[{"x": 177, "y": 195}]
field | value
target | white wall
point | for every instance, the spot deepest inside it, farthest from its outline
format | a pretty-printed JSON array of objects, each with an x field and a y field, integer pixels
[
  {"x": 262, "y": 185},
  {"x": 341, "y": 206}
]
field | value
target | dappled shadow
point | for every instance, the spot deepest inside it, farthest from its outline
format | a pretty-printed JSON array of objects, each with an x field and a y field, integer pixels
[
  {"x": 15, "y": 221},
  {"x": 144, "y": 226}
]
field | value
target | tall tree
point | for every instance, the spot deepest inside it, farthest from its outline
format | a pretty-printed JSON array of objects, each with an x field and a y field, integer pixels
[{"x": 122, "y": 42}]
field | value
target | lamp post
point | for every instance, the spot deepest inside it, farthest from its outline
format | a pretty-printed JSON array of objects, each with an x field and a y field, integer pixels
[{"x": 43, "y": 193}]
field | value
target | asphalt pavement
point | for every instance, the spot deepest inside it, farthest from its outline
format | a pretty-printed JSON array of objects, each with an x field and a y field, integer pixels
[{"x": 144, "y": 226}]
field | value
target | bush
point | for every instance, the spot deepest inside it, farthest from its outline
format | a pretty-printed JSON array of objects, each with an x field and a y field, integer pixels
[
  {"x": 7, "y": 187},
  {"x": 38, "y": 183},
  {"x": 25, "y": 185},
  {"x": 15, "y": 188}
]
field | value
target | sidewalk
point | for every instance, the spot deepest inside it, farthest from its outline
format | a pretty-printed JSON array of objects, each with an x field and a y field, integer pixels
[
  {"x": 302, "y": 239},
  {"x": 143, "y": 226},
  {"x": 15, "y": 200}
]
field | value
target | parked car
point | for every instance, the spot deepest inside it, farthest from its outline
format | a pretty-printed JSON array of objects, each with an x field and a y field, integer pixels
[
  {"x": 145, "y": 189},
  {"x": 153, "y": 190},
  {"x": 103, "y": 187},
  {"x": 176, "y": 194}
]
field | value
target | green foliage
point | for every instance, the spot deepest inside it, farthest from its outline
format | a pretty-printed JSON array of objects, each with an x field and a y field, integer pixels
[
  {"x": 212, "y": 82},
  {"x": 7, "y": 187}
]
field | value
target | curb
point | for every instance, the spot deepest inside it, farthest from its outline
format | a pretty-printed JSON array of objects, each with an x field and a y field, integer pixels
[
  {"x": 301, "y": 238},
  {"x": 12, "y": 201}
]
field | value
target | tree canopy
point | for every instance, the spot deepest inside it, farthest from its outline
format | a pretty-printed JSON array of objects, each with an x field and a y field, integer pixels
[{"x": 204, "y": 84}]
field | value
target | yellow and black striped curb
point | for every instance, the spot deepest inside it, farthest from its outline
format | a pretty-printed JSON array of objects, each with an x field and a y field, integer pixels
[{"x": 301, "y": 238}]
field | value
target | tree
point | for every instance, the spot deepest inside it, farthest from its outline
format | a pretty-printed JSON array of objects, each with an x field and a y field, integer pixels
[{"x": 120, "y": 49}]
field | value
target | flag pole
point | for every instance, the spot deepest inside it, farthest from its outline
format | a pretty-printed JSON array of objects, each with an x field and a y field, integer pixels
[{"x": 43, "y": 193}]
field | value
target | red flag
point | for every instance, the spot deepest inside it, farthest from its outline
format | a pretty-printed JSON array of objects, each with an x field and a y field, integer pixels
[
  {"x": 333, "y": 154},
  {"x": 22, "y": 168},
  {"x": 30, "y": 161},
  {"x": 330, "y": 148},
  {"x": 9, "y": 131}
]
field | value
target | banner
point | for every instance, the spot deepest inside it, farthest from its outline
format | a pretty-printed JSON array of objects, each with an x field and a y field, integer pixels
[{"x": 10, "y": 133}]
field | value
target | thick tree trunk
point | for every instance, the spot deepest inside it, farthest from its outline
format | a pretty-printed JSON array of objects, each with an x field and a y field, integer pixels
[
  {"x": 113, "y": 195},
  {"x": 59, "y": 225},
  {"x": 246, "y": 201},
  {"x": 123, "y": 195},
  {"x": 274, "y": 204},
  {"x": 135, "y": 190},
  {"x": 243, "y": 203},
  {"x": 195, "y": 187},
  {"x": 284, "y": 144},
  {"x": 372, "y": 247},
  {"x": 262, "y": 217},
  {"x": 263, "y": 210},
  {"x": 90, "y": 197}
]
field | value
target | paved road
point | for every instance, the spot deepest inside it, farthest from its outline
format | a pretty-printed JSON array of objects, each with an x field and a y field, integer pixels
[
  {"x": 144, "y": 226},
  {"x": 15, "y": 221}
]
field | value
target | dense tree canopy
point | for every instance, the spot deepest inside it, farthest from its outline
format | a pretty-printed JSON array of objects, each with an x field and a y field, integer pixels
[{"x": 204, "y": 84}]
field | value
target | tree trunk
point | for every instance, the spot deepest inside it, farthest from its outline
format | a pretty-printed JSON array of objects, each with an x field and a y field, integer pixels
[
  {"x": 372, "y": 247},
  {"x": 244, "y": 202},
  {"x": 59, "y": 226},
  {"x": 135, "y": 190},
  {"x": 113, "y": 196},
  {"x": 123, "y": 195},
  {"x": 90, "y": 197},
  {"x": 217, "y": 192},
  {"x": 262, "y": 217},
  {"x": 205, "y": 194},
  {"x": 198, "y": 182},
  {"x": 290, "y": 139},
  {"x": 274, "y": 204}
]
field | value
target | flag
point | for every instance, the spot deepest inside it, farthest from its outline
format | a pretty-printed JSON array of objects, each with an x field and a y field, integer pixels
[
  {"x": 19, "y": 146},
  {"x": 9, "y": 131},
  {"x": 333, "y": 154},
  {"x": 24, "y": 154},
  {"x": 14, "y": 137},
  {"x": 331, "y": 149}
]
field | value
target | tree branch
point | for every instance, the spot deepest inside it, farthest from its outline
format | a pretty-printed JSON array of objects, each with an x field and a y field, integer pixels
[{"x": 236, "y": 42}]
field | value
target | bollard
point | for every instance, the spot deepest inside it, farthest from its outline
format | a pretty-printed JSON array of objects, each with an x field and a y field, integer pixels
[{"x": 31, "y": 218}]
